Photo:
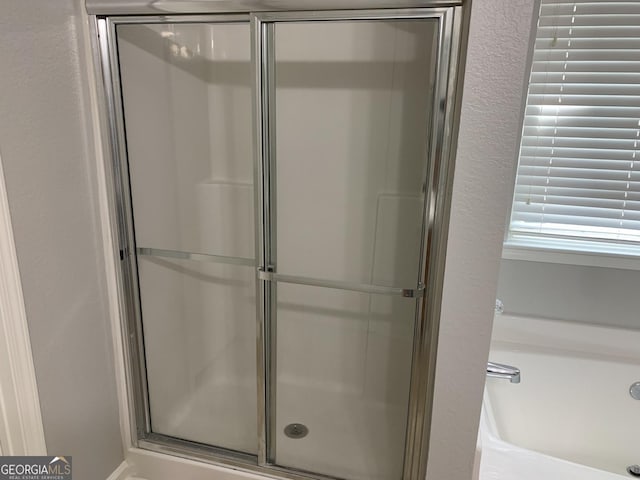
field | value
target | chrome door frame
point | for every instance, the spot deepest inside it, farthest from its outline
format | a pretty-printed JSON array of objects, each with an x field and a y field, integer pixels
[
  {"x": 166, "y": 8},
  {"x": 452, "y": 20}
]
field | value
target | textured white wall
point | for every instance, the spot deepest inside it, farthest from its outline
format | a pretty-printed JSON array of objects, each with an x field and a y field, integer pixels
[
  {"x": 577, "y": 293},
  {"x": 48, "y": 165},
  {"x": 494, "y": 86}
]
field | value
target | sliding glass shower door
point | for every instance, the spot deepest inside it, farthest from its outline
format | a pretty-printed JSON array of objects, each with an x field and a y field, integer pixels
[
  {"x": 350, "y": 103},
  {"x": 186, "y": 92},
  {"x": 279, "y": 180}
]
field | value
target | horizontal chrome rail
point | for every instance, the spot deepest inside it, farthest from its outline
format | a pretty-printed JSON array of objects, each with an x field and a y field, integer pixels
[
  {"x": 340, "y": 285},
  {"x": 498, "y": 370},
  {"x": 198, "y": 257},
  {"x": 278, "y": 277}
]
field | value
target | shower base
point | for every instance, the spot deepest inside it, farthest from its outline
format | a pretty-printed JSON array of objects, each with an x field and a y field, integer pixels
[{"x": 349, "y": 435}]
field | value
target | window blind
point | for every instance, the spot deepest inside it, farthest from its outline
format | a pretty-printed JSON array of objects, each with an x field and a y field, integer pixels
[{"x": 579, "y": 166}]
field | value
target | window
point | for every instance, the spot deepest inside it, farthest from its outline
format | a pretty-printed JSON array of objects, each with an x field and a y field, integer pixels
[{"x": 578, "y": 180}]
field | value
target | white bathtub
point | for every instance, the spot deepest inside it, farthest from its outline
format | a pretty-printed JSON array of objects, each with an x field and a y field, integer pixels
[{"x": 572, "y": 415}]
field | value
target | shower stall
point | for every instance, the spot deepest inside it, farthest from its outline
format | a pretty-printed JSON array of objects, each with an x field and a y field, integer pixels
[{"x": 280, "y": 178}]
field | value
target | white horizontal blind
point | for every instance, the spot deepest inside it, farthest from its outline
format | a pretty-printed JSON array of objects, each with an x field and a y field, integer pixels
[{"x": 579, "y": 169}]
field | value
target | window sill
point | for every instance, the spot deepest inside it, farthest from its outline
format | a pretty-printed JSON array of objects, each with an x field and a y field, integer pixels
[{"x": 591, "y": 254}]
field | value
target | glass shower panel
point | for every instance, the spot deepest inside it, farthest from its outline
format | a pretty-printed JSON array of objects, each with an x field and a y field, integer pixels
[
  {"x": 352, "y": 114},
  {"x": 186, "y": 91},
  {"x": 199, "y": 326},
  {"x": 352, "y": 111},
  {"x": 343, "y": 367}
]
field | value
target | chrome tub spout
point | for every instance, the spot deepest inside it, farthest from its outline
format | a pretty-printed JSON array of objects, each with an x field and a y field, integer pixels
[{"x": 498, "y": 370}]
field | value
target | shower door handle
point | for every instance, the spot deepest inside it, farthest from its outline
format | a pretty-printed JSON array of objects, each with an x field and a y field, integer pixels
[{"x": 270, "y": 276}]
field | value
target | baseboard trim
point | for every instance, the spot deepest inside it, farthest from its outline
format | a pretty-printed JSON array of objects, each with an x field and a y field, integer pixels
[{"x": 123, "y": 472}]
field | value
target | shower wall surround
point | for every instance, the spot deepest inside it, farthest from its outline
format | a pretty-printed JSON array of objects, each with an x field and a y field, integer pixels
[{"x": 281, "y": 185}]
